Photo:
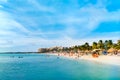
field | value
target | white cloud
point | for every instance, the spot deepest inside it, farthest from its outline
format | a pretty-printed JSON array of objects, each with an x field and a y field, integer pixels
[
  {"x": 1, "y": 6},
  {"x": 40, "y": 6},
  {"x": 90, "y": 17},
  {"x": 78, "y": 23},
  {"x": 85, "y": 19},
  {"x": 4, "y": 1},
  {"x": 8, "y": 23}
]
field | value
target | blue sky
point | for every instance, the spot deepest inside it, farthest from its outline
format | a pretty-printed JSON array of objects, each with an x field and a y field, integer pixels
[{"x": 26, "y": 25}]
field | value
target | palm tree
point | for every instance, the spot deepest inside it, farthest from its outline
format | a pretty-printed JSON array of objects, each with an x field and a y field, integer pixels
[
  {"x": 115, "y": 46},
  {"x": 118, "y": 42},
  {"x": 82, "y": 47},
  {"x": 94, "y": 45},
  {"x": 118, "y": 45},
  {"x": 86, "y": 45},
  {"x": 75, "y": 48},
  {"x": 106, "y": 45},
  {"x": 110, "y": 43},
  {"x": 100, "y": 44}
]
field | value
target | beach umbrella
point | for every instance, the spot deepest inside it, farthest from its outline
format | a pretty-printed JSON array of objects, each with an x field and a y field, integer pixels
[
  {"x": 111, "y": 50},
  {"x": 119, "y": 50},
  {"x": 97, "y": 50},
  {"x": 86, "y": 51}
]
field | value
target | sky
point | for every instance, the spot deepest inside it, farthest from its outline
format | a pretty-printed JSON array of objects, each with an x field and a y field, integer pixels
[{"x": 26, "y": 25}]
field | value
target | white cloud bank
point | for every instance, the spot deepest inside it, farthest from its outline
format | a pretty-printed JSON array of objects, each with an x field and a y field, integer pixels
[{"x": 78, "y": 23}]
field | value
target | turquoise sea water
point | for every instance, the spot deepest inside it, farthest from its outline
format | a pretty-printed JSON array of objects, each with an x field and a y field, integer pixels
[{"x": 44, "y": 67}]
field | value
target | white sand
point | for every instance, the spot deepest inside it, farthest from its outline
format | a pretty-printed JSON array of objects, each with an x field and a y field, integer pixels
[
  {"x": 105, "y": 59},
  {"x": 114, "y": 60}
]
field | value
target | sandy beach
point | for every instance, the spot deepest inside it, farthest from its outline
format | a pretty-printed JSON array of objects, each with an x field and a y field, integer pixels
[
  {"x": 114, "y": 60},
  {"x": 104, "y": 59}
]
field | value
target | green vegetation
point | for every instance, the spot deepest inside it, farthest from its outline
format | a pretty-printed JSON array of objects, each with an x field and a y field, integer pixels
[{"x": 103, "y": 45}]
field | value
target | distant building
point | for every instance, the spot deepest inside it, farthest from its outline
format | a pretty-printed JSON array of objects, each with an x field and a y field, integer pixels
[
  {"x": 42, "y": 50},
  {"x": 51, "y": 49}
]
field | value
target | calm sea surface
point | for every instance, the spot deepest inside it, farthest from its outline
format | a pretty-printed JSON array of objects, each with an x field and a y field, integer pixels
[{"x": 44, "y": 67}]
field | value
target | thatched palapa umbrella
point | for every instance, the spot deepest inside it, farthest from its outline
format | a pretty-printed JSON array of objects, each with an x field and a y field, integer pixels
[
  {"x": 119, "y": 50},
  {"x": 111, "y": 50}
]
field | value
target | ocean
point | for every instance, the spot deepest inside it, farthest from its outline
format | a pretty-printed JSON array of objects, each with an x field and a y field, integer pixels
[{"x": 50, "y": 67}]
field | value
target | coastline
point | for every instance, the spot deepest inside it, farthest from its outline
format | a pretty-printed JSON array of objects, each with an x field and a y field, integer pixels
[{"x": 103, "y": 59}]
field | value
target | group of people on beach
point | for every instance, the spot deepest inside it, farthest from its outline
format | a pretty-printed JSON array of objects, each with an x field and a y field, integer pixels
[{"x": 94, "y": 54}]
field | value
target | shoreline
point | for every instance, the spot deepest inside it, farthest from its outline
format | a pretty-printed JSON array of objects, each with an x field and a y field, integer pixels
[{"x": 104, "y": 59}]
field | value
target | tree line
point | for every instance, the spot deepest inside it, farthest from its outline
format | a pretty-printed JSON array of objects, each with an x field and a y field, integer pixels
[{"x": 103, "y": 45}]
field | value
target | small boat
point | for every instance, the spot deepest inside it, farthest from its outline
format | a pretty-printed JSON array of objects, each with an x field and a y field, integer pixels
[{"x": 20, "y": 57}]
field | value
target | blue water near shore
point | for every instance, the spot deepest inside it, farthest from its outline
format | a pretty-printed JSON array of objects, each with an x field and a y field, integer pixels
[{"x": 44, "y": 67}]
